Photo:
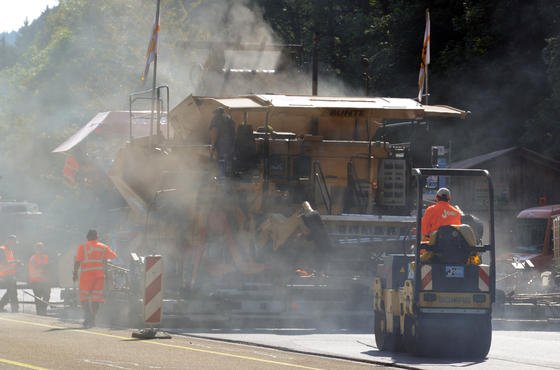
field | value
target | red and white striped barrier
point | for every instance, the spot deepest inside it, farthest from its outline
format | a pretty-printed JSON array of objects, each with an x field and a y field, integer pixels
[
  {"x": 426, "y": 277},
  {"x": 153, "y": 296},
  {"x": 484, "y": 278}
]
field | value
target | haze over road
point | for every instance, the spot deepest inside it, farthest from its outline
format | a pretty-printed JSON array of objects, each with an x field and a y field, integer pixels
[{"x": 36, "y": 342}]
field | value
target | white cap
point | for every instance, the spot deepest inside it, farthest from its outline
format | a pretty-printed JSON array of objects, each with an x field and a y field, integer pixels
[{"x": 443, "y": 193}]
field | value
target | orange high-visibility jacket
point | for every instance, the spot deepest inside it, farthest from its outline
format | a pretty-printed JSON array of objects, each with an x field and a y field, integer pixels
[
  {"x": 440, "y": 214},
  {"x": 8, "y": 265},
  {"x": 92, "y": 256},
  {"x": 36, "y": 268}
]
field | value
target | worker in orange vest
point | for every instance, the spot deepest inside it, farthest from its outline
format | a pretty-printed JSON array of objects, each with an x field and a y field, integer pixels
[
  {"x": 91, "y": 260},
  {"x": 440, "y": 214},
  {"x": 8, "y": 267},
  {"x": 38, "y": 278}
]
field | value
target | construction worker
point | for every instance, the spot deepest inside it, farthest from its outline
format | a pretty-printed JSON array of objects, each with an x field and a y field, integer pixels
[
  {"x": 222, "y": 138},
  {"x": 38, "y": 278},
  {"x": 91, "y": 259},
  {"x": 8, "y": 267},
  {"x": 440, "y": 214}
]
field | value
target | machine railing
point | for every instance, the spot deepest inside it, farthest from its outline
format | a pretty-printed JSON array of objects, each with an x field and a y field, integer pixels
[
  {"x": 420, "y": 173},
  {"x": 321, "y": 183},
  {"x": 158, "y": 116},
  {"x": 356, "y": 185}
]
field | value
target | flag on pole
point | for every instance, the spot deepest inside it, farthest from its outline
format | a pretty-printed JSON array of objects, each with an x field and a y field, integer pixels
[
  {"x": 425, "y": 58},
  {"x": 152, "y": 48}
]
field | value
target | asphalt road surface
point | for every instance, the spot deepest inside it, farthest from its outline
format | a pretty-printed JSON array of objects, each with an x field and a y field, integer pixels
[
  {"x": 37, "y": 342},
  {"x": 49, "y": 342},
  {"x": 511, "y": 349}
]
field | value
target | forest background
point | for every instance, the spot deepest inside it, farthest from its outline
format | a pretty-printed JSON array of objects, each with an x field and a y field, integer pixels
[{"x": 500, "y": 60}]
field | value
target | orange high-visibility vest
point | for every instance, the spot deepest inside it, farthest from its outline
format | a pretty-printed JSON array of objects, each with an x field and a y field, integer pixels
[
  {"x": 92, "y": 256},
  {"x": 8, "y": 266},
  {"x": 37, "y": 268},
  {"x": 440, "y": 214}
]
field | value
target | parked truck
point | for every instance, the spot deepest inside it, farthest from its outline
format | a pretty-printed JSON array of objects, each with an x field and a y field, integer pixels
[
  {"x": 529, "y": 276},
  {"x": 530, "y": 267}
]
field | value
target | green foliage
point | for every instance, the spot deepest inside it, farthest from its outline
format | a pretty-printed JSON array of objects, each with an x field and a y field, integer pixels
[
  {"x": 542, "y": 132},
  {"x": 498, "y": 59}
]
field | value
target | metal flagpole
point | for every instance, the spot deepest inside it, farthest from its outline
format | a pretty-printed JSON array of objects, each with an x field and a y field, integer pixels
[
  {"x": 155, "y": 73},
  {"x": 424, "y": 61},
  {"x": 427, "y": 53},
  {"x": 427, "y": 93}
]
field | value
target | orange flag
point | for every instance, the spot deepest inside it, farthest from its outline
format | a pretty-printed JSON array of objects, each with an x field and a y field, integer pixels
[
  {"x": 425, "y": 58},
  {"x": 152, "y": 49}
]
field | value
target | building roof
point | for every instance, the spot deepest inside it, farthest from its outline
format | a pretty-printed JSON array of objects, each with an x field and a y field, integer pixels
[{"x": 480, "y": 160}]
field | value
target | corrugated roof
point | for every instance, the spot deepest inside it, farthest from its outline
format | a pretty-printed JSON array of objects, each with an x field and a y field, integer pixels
[
  {"x": 475, "y": 161},
  {"x": 532, "y": 155}
]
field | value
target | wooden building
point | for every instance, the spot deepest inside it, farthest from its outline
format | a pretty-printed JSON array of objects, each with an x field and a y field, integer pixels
[{"x": 522, "y": 178}]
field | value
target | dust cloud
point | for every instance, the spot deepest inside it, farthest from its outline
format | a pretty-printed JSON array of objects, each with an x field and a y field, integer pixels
[{"x": 171, "y": 195}]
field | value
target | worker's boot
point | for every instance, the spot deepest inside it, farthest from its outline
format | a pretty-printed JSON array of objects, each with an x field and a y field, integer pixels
[
  {"x": 88, "y": 316},
  {"x": 94, "y": 309}
]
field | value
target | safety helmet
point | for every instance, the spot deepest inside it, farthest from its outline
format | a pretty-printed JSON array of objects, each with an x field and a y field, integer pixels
[{"x": 443, "y": 194}]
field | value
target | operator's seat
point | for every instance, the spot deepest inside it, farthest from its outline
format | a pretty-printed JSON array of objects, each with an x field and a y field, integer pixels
[{"x": 453, "y": 243}]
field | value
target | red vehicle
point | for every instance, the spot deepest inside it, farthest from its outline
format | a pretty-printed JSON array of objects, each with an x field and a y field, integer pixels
[
  {"x": 534, "y": 234},
  {"x": 532, "y": 252}
]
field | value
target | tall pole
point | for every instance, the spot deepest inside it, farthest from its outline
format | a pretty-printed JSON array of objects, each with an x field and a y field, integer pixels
[
  {"x": 424, "y": 62},
  {"x": 315, "y": 65},
  {"x": 427, "y": 91},
  {"x": 365, "y": 74},
  {"x": 427, "y": 41},
  {"x": 156, "y": 25}
]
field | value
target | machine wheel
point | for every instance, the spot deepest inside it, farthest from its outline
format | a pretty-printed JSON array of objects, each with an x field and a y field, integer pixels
[
  {"x": 410, "y": 337},
  {"x": 399, "y": 342},
  {"x": 435, "y": 337},
  {"x": 481, "y": 339},
  {"x": 416, "y": 339},
  {"x": 385, "y": 341}
]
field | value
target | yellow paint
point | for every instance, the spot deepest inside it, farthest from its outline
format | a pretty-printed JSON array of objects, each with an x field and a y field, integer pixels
[
  {"x": 21, "y": 364},
  {"x": 391, "y": 298},
  {"x": 91, "y": 332}
]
